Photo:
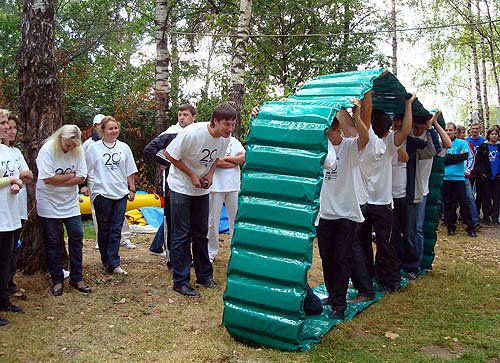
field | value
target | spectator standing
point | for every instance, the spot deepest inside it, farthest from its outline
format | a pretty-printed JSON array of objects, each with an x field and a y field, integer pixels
[{"x": 224, "y": 190}]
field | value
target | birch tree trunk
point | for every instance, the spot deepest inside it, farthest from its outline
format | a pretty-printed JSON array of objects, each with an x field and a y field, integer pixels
[
  {"x": 492, "y": 50},
  {"x": 394, "y": 57},
  {"x": 475, "y": 66},
  {"x": 485, "y": 88},
  {"x": 238, "y": 63},
  {"x": 174, "y": 83},
  {"x": 162, "y": 86},
  {"x": 40, "y": 110}
]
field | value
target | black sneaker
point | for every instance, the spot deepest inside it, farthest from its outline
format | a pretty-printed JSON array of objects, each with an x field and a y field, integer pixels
[
  {"x": 411, "y": 275},
  {"x": 337, "y": 314},
  {"x": 187, "y": 291},
  {"x": 12, "y": 309},
  {"x": 452, "y": 230},
  {"x": 169, "y": 264},
  {"x": 4, "y": 322},
  {"x": 471, "y": 231},
  {"x": 486, "y": 220},
  {"x": 209, "y": 284}
]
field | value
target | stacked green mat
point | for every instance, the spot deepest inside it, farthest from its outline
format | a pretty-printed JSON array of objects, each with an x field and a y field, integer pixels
[{"x": 271, "y": 250}]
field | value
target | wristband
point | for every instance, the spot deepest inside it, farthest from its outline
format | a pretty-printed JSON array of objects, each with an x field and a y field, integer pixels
[{"x": 130, "y": 190}]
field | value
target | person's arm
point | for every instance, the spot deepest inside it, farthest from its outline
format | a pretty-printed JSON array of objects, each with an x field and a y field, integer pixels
[
  {"x": 401, "y": 135},
  {"x": 366, "y": 109},
  {"x": 223, "y": 164},
  {"x": 346, "y": 123},
  {"x": 210, "y": 175},
  {"x": 153, "y": 150},
  {"x": 361, "y": 129},
  {"x": 131, "y": 187},
  {"x": 59, "y": 179},
  {"x": 73, "y": 181},
  {"x": 236, "y": 160},
  {"x": 10, "y": 180},
  {"x": 26, "y": 176},
  {"x": 403, "y": 155},
  {"x": 452, "y": 159},
  {"x": 445, "y": 139},
  {"x": 179, "y": 164}
]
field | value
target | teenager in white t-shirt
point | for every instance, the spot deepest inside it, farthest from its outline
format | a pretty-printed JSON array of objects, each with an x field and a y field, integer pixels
[
  {"x": 340, "y": 211},
  {"x": 10, "y": 221},
  {"x": 224, "y": 190},
  {"x": 27, "y": 177},
  {"x": 378, "y": 215},
  {"x": 194, "y": 155},
  {"x": 112, "y": 167},
  {"x": 126, "y": 234},
  {"x": 61, "y": 168}
]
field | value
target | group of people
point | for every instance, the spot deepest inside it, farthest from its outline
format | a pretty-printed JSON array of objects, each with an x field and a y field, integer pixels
[
  {"x": 477, "y": 158},
  {"x": 375, "y": 187}
]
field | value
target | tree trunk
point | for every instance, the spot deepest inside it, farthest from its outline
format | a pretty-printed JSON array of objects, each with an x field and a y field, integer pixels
[
  {"x": 162, "y": 88},
  {"x": 238, "y": 64},
  {"x": 208, "y": 74},
  {"x": 394, "y": 39},
  {"x": 174, "y": 94},
  {"x": 485, "y": 88},
  {"x": 40, "y": 110},
  {"x": 475, "y": 65},
  {"x": 492, "y": 50}
]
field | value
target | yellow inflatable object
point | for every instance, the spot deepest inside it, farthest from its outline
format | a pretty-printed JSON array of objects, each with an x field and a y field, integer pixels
[
  {"x": 135, "y": 216},
  {"x": 141, "y": 200}
]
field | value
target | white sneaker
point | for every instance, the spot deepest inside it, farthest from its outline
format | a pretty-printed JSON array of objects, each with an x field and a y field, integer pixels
[
  {"x": 96, "y": 246},
  {"x": 127, "y": 244},
  {"x": 160, "y": 254},
  {"x": 65, "y": 273},
  {"x": 119, "y": 271}
]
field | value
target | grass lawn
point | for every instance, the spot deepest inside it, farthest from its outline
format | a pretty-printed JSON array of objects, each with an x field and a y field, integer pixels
[{"x": 452, "y": 314}]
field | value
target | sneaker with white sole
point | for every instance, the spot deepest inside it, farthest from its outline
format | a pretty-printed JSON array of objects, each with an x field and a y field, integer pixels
[
  {"x": 96, "y": 246},
  {"x": 127, "y": 244},
  {"x": 119, "y": 271},
  {"x": 160, "y": 254}
]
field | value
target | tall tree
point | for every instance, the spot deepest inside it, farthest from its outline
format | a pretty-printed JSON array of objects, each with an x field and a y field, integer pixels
[
  {"x": 40, "y": 107},
  {"x": 475, "y": 66},
  {"x": 237, "y": 89},
  {"x": 394, "y": 57},
  {"x": 490, "y": 39},
  {"x": 162, "y": 82}
]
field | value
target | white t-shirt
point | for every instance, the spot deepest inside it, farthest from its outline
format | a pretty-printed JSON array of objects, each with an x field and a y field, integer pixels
[
  {"x": 228, "y": 179},
  {"x": 58, "y": 201},
  {"x": 87, "y": 143},
  {"x": 423, "y": 173},
  {"x": 368, "y": 158},
  {"x": 109, "y": 169},
  {"x": 9, "y": 203},
  {"x": 22, "y": 195},
  {"x": 198, "y": 150},
  {"x": 380, "y": 184},
  {"x": 399, "y": 177},
  {"x": 338, "y": 197}
]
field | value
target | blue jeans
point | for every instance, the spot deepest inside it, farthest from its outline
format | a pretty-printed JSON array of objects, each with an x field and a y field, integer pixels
[
  {"x": 420, "y": 216},
  {"x": 158, "y": 244},
  {"x": 361, "y": 279},
  {"x": 52, "y": 235},
  {"x": 404, "y": 234},
  {"x": 109, "y": 214},
  {"x": 189, "y": 218},
  {"x": 471, "y": 202}
]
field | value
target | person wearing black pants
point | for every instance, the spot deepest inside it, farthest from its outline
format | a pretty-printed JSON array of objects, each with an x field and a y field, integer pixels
[
  {"x": 487, "y": 167},
  {"x": 454, "y": 194},
  {"x": 340, "y": 211},
  {"x": 186, "y": 115}
]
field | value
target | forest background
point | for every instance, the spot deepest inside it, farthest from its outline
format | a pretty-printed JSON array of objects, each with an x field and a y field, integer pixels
[{"x": 111, "y": 54}]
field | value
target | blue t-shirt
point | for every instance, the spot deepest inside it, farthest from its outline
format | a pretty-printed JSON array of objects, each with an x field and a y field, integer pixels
[
  {"x": 456, "y": 171},
  {"x": 476, "y": 142},
  {"x": 494, "y": 160}
]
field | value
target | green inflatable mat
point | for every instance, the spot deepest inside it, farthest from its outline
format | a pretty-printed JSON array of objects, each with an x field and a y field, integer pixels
[{"x": 272, "y": 246}]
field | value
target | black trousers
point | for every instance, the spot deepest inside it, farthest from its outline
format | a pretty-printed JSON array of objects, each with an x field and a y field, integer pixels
[
  {"x": 378, "y": 218},
  {"x": 6, "y": 247},
  {"x": 476, "y": 181},
  {"x": 335, "y": 239},
  {"x": 454, "y": 194},
  {"x": 491, "y": 198}
]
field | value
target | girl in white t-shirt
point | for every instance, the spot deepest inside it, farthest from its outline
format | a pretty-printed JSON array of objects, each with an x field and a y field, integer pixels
[
  {"x": 111, "y": 165},
  {"x": 61, "y": 168},
  {"x": 10, "y": 185},
  {"x": 27, "y": 177}
]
